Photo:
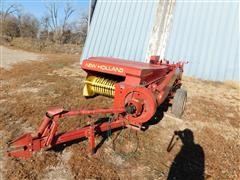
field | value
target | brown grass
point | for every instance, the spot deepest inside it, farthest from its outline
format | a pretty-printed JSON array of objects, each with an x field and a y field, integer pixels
[
  {"x": 29, "y": 88},
  {"x": 36, "y": 45}
]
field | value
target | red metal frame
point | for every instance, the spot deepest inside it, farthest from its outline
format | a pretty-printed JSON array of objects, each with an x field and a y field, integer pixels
[
  {"x": 46, "y": 136},
  {"x": 144, "y": 88}
]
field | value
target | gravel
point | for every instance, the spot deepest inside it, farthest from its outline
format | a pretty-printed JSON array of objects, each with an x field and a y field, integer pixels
[{"x": 12, "y": 56}]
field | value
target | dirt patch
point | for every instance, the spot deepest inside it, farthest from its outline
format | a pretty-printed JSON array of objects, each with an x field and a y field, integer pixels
[
  {"x": 27, "y": 90},
  {"x": 91, "y": 167},
  {"x": 61, "y": 170},
  {"x": 13, "y": 56}
]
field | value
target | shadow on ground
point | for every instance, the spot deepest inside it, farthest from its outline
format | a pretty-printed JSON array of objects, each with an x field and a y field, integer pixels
[{"x": 189, "y": 162}]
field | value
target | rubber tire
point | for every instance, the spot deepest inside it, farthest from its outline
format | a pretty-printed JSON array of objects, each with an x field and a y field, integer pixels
[{"x": 179, "y": 102}]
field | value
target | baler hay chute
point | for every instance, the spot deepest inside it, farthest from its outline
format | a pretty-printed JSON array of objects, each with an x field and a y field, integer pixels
[{"x": 137, "y": 88}]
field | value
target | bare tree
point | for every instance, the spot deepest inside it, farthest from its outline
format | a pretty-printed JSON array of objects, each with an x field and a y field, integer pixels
[
  {"x": 66, "y": 30},
  {"x": 79, "y": 29},
  {"x": 68, "y": 11},
  {"x": 52, "y": 15},
  {"x": 9, "y": 25},
  {"x": 12, "y": 9},
  {"x": 45, "y": 26},
  {"x": 84, "y": 19},
  {"x": 58, "y": 26},
  {"x": 29, "y": 26},
  {"x": 83, "y": 28},
  {"x": 45, "y": 21}
]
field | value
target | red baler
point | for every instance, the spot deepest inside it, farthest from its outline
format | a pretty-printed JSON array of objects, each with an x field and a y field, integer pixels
[{"x": 137, "y": 88}]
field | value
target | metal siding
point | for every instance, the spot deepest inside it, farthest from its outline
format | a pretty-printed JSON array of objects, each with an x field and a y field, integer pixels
[
  {"x": 207, "y": 35},
  {"x": 120, "y": 29},
  {"x": 161, "y": 29}
]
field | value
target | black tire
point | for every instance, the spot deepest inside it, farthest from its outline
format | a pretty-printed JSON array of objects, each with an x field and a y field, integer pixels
[{"x": 179, "y": 102}]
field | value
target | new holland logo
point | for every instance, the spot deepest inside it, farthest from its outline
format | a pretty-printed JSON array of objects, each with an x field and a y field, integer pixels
[{"x": 105, "y": 68}]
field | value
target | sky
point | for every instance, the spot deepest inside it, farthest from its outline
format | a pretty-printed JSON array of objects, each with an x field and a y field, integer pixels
[{"x": 38, "y": 7}]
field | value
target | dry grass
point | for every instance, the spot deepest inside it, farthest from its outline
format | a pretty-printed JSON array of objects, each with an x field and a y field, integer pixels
[
  {"x": 36, "y": 45},
  {"x": 29, "y": 88},
  {"x": 233, "y": 84}
]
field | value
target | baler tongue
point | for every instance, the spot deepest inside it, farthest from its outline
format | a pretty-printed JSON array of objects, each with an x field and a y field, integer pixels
[{"x": 21, "y": 147}]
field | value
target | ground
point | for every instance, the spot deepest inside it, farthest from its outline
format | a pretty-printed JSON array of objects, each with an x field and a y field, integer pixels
[{"x": 28, "y": 88}]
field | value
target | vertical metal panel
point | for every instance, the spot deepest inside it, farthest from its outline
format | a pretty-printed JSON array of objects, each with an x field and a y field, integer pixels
[
  {"x": 206, "y": 34},
  {"x": 160, "y": 31},
  {"x": 120, "y": 29}
]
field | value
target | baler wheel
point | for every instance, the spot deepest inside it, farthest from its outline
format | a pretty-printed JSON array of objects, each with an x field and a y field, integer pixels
[{"x": 179, "y": 102}]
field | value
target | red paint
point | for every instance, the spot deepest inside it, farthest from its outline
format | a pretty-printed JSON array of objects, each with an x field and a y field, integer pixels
[{"x": 144, "y": 88}]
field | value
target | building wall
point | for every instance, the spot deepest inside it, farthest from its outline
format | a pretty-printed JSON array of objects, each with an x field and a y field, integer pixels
[
  {"x": 161, "y": 28},
  {"x": 120, "y": 29},
  {"x": 207, "y": 35}
]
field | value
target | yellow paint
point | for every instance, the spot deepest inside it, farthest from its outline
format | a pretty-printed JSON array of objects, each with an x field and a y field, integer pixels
[{"x": 98, "y": 85}]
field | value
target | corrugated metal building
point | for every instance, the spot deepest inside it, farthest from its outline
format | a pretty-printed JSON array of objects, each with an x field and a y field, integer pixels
[
  {"x": 207, "y": 35},
  {"x": 204, "y": 33},
  {"x": 120, "y": 29}
]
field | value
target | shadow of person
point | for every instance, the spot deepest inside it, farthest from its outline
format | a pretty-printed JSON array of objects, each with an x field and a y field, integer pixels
[{"x": 189, "y": 162}]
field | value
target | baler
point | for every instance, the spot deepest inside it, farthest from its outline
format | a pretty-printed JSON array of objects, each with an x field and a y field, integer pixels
[{"x": 137, "y": 88}]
